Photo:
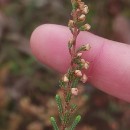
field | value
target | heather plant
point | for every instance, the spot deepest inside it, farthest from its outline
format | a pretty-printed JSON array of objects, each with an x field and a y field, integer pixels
[{"x": 75, "y": 73}]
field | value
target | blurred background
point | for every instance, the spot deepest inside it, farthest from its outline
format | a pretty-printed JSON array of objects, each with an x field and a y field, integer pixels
[{"x": 27, "y": 88}]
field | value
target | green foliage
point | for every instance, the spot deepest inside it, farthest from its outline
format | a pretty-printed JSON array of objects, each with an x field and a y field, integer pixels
[
  {"x": 68, "y": 97},
  {"x": 73, "y": 107},
  {"x": 80, "y": 66},
  {"x": 77, "y": 61},
  {"x": 75, "y": 82},
  {"x": 62, "y": 84},
  {"x": 59, "y": 104},
  {"x": 70, "y": 74},
  {"x": 82, "y": 28},
  {"x": 54, "y": 124},
  {"x": 82, "y": 48},
  {"x": 76, "y": 121},
  {"x": 66, "y": 117},
  {"x": 74, "y": 5}
]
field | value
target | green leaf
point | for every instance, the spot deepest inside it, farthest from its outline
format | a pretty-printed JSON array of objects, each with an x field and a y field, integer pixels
[
  {"x": 76, "y": 121},
  {"x": 62, "y": 84},
  {"x": 54, "y": 124},
  {"x": 68, "y": 97},
  {"x": 79, "y": 24},
  {"x": 76, "y": 60},
  {"x": 70, "y": 74},
  {"x": 59, "y": 104},
  {"x": 82, "y": 28},
  {"x": 66, "y": 117},
  {"x": 75, "y": 82},
  {"x": 82, "y": 48},
  {"x": 80, "y": 66},
  {"x": 74, "y": 5},
  {"x": 73, "y": 107}
]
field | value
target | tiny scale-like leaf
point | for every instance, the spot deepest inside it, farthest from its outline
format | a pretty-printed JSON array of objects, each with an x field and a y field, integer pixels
[
  {"x": 68, "y": 97},
  {"x": 75, "y": 82},
  {"x": 76, "y": 121},
  {"x": 59, "y": 104},
  {"x": 54, "y": 124}
]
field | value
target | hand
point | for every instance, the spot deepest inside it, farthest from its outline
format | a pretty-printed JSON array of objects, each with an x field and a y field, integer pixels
[{"x": 110, "y": 60}]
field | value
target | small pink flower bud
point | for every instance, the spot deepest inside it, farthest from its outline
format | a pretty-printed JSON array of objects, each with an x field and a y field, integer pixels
[
  {"x": 84, "y": 78},
  {"x": 65, "y": 79},
  {"x": 70, "y": 43},
  {"x": 71, "y": 23},
  {"x": 87, "y": 47},
  {"x": 78, "y": 73},
  {"x": 74, "y": 91},
  {"x": 79, "y": 54},
  {"x": 86, "y": 65},
  {"x": 78, "y": 10},
  {"x": 81, "y": 5},
  {"x": 83, "y": 61},
  {"x": 82, "y": 18},
  {"x": 87, "y": 27},
  {"x": 85, "y": 10}
]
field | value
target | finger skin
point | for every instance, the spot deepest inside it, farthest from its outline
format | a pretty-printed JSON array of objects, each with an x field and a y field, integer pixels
[{"x": 110, "y": 61}]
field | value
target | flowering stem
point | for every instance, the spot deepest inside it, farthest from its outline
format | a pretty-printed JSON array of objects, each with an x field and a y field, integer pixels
[{"x": 70, "y": 80}]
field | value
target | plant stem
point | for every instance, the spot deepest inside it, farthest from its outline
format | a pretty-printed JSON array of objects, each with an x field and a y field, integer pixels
[{"x": 71, "y": 79}]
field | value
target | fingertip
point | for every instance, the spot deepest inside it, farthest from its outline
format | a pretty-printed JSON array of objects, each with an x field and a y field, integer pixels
[{"x": 48, "y": 44}]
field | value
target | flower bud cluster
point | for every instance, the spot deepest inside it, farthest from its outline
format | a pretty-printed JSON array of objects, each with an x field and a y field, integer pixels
[
  {"x": 78, "y": 14},
  {"x": 80, "y": 10},
  {"x": 85, "y": 64},
  {"x": 82, "y": 7},
  {"x": 75, "y": 74}
]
